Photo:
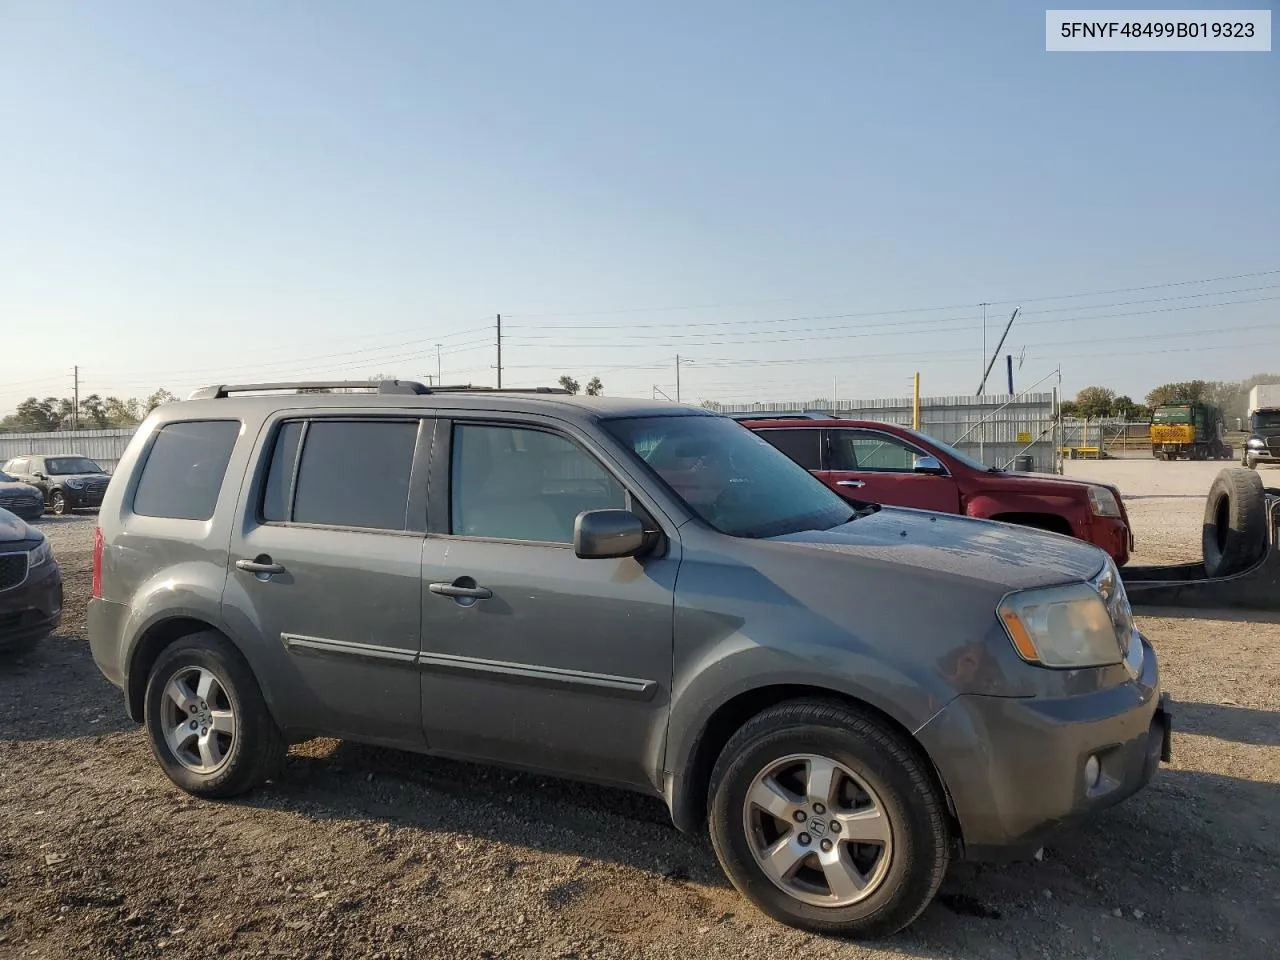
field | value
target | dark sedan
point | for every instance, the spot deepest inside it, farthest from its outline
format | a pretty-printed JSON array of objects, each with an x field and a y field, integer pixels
[
  {"x": 30, "y": 586},
  {"x": 20, "y": 498}
]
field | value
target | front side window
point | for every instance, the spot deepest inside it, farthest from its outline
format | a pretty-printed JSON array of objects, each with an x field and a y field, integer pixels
[
  {"x": 62, "y": 466},
  {"x": 730, "y": 477},
  {"x": 348, "y": 473},
  {"x": 802, "y": 446},
  {"x": 516, "y": 483},
  {"x": 183, "y": 471},
  {"x": 870, "y": 451}
]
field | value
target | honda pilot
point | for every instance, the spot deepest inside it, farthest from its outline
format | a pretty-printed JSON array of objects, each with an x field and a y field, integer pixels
[{"x": 635, "y": 593}]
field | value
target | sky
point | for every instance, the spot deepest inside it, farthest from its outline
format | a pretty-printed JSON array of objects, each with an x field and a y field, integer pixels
[{"x": 801, "y": 200}]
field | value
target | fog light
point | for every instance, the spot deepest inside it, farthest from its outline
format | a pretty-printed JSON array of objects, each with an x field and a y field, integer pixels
[{"x": 1092, "y": 772}]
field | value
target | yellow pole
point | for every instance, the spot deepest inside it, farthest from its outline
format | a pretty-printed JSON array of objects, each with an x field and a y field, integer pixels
[{"x": 915, "y": 403}]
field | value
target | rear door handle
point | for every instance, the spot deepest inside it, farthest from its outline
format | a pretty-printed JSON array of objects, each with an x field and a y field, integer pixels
[
  {"x": 851, "y": 483},
  {"x": 463, "y": 588},
  {"x": 262, "y": 564}
]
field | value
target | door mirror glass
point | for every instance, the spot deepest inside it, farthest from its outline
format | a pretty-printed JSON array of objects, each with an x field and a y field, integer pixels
[
  {"x": 927, "y": 464},
  {"x": 39, "y": 476},
  {"x": 605, "y": 534}
]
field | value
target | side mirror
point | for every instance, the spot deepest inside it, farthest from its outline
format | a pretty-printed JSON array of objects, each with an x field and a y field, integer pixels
[
  {"x": 606, "y": 534},
  {"x": 929, "y": 465},
  {"x": 39, "y": 476}
]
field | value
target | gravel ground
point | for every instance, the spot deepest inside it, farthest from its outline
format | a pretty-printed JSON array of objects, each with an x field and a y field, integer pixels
[{"x": 360, "y": 852}]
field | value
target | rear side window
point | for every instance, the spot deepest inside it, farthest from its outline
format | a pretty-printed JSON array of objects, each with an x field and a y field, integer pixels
[
  {"x": 802, "y": 446},
  {"x": 184, "y": 470},
  {"x": 349, "y": 473}
]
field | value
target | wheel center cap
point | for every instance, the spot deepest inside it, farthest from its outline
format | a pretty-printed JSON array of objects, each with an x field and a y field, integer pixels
[{"x": 817, "y": 826}]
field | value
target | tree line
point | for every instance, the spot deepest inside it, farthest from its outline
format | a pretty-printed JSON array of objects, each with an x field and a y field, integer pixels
[
  {"x": 1231, "y": 396},
  {"x": 51, "y": 414},
  {"x": 594, "y": 387}
]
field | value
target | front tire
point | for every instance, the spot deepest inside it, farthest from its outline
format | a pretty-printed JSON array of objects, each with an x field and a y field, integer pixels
[
  {"x": 827, "y": 820},
  {"x": 59, "y": 504},
  {"x": 207, "y": 721}
]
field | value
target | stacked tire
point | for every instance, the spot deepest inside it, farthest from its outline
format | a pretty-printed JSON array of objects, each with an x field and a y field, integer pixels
[{"x": 1235, "y": 522}]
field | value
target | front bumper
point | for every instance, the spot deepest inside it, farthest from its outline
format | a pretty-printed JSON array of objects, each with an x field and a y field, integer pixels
[
  {"x": 1113, "y": 535},
  {"x": 83, "y": 499},
  {"x": 33, "y": 609},
  {"x": 1015, "y": 768}
]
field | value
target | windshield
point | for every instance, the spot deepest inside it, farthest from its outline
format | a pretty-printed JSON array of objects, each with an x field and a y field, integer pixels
[
  {"x": 57, "y": 466},
  {"x": 1265, "y": 420},
  {"x": 1173, "y": 415},
  {"x": 731, "y": 478},
  {"x": 928, "y": 441}
]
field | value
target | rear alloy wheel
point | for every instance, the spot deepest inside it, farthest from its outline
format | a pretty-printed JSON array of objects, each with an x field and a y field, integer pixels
[
  {"x": 827, "y": 820},
  {"x": 59, "y": 503},
  {"x": 207, "y": 721}
]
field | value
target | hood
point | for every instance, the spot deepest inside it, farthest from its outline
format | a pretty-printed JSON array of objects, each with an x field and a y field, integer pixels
[
  {"x": 1015, "y": 558},
  {"x": 13, "y": 487},
  {"x": 13, "y": 528},
  {"x": 1054, "y": 479}
]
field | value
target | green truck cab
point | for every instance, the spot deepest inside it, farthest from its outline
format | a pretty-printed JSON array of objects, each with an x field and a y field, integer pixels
[{"x": 1194, "y": 430}]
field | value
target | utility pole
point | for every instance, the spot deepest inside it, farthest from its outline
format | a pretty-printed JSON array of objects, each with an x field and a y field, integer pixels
[
  {"x": 439, "y": 376},
  {"x": 499, "y": 351},
  {"x": 677, "y": 378},
  {"x": 984, "y": 306},
  {"x": 75, "y": 410},
  {"x": 915, "y": 402}
]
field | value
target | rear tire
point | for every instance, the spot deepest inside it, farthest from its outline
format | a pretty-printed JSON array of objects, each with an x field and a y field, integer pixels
[
  {"x": 1235, "y": 522},
  {"x": 207, "y": 720},
  {"x": 836, "y": 866}
]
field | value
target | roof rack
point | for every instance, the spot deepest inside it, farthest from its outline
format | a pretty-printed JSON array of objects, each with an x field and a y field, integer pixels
[{"x": 394, "y": 387}]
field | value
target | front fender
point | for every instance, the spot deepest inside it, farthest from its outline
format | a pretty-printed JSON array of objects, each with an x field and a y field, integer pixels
[{"x": 985, "y": 507}]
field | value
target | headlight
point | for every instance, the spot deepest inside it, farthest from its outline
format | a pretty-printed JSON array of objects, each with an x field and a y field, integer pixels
[
  {"x": 1111, "y": 588},
  {"x": 75, "y": 484},
  {"x": 1103, "y": 502},
  {"x": 1256, "y": 442},
  {"x": 40, "y": 555},
  {"x": 1065, "y": 627}
]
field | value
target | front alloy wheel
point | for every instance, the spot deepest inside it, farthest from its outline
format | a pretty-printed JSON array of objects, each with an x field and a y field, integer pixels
[
  {"x": 828, "y": 819},
  {"x": 59, "y": 503},
  {"x": 818, "y": 830}
]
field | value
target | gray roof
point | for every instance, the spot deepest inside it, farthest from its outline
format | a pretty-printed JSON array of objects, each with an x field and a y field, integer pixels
[{"x": 598, "y": 408}]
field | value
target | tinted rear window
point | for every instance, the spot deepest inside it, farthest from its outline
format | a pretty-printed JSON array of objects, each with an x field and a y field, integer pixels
[
  {"x": 354, "y": 474},
  {"x": 184, "y": 470},
  {"x": 802, "y": 446}
]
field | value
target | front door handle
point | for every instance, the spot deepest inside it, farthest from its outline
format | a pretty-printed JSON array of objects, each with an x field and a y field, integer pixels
[
  {"x": 464, "y": 588},
  {"x": 261, "y": 564},
  {"x": 851, "y": 483}
]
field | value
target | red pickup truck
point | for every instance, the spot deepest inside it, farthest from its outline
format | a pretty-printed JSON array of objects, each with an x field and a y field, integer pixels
[{"x": 896, "y": 466}]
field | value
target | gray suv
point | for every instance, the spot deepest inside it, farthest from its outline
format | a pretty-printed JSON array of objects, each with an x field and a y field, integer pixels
[{"x": 639, "y": 594}]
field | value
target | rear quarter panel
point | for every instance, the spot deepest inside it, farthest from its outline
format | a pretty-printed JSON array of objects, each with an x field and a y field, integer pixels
[{"x": 159, "y": 568}]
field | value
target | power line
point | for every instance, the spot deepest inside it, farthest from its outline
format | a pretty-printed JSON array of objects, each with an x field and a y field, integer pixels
[
  {"x": 880, "y": 313},
  {"x": 835, "y": 333}
]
